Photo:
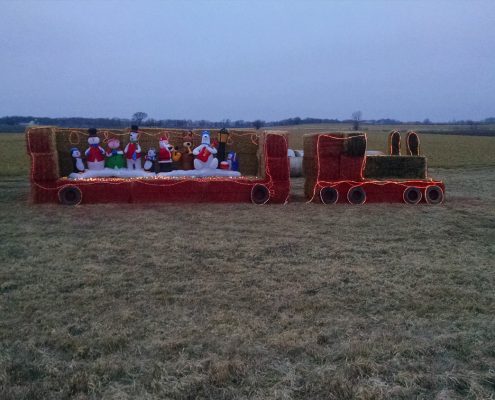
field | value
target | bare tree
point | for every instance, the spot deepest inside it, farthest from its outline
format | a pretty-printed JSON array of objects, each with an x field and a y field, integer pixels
[
  {"x": 258, "y": 123},
  {"x": 139, "y": 117},
  {"x": 356, "y": 119}
]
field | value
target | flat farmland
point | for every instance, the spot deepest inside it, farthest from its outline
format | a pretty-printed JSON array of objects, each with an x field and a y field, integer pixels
[{"x": 237, "y": 301}]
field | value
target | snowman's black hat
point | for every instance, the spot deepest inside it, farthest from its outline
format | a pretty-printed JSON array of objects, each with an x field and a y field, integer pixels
[
  {"x": 92, "y": 131},
  {"x": 134, "y": 128}
]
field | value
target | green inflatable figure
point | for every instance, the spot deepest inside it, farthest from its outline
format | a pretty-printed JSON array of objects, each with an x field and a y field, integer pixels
[{"x": 115, "y": 156}]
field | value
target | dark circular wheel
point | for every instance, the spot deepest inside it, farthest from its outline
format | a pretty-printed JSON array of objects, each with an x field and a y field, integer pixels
[
  {"x": 260, "y": 194},
  {"x": 70, "y": 195},
  {"x": 356, "y": 195},
  {"x": 329, "y": 195},
  {"x": 434, "y": 194},
  {"x": 412, "y": 195}
]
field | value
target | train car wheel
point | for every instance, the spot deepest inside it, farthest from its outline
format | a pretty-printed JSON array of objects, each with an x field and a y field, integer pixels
[
  {"x": 329, "y": 195},
  {"x": 260, "y": 194},
  {"x": 70, "y": 195},
  {"x": 434, "y": 194},
  {"x": 412, "y": 195},
  {"x": 356, "y": 195}
]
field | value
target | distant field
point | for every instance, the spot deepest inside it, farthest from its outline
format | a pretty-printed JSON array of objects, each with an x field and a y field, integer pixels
[{"x": 301, "y": 301}]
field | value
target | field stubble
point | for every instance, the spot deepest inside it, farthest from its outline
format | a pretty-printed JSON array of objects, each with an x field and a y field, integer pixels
[{"x": 236, "y": 301}]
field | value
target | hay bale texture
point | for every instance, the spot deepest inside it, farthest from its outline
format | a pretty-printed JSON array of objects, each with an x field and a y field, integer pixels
[
  {"x": 42, "y": 148},
  {"x": 400, "y": 167},
  {"x": 243, "y": 142},
  {"x": 340, "y": 158}
]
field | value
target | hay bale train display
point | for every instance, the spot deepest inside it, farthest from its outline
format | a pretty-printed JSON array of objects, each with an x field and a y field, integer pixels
[
  {"x": 338, "y": 169},
  {"x": 77, "y": 166},
  {"x": 156, "y": 165}
]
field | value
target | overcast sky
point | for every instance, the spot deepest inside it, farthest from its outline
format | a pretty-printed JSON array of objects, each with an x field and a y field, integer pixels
[{"x": 408, "y": 60}]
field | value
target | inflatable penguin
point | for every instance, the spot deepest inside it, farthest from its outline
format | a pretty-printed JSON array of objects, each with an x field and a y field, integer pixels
[
  {"x": 205, "y": 153},
  {"x": 150, "y": 161},
  {"x": 133, "y": 150},
  {"x": 95, "y": 155},
  {"x": 77, "y": 162}
]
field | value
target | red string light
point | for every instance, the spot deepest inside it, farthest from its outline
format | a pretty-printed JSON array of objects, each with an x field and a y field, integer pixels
[
  {"x": 153, "y": 180},
  {"x": 362, "y": 182}
]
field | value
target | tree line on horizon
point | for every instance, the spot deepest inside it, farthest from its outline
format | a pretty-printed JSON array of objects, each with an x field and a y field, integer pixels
[{"x": 19, "y": 123}]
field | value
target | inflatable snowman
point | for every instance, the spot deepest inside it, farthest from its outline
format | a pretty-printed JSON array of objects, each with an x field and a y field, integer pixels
[
  {"x": 133, "y": 150},
  {"x": 204, "y": 153},
  {"x": 95, "y": 155}
]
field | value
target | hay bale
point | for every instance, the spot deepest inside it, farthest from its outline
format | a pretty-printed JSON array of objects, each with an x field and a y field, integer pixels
[
  {"x": 274, "y": 148},
  {"x": 296, "y": 166},
  {"x": 309, "y": 184},
  {"x": 394, "y": 143},
  {"x": 412, "y": 143},
  {"x": 41, "y": 140},
  {"x": 351, "y": 167},
  {"x": 355, "y": 145},
  {"x": 44, "y": 167},
  {"x": 402, "y": 167}
]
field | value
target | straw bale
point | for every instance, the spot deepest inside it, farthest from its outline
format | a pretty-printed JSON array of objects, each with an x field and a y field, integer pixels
[
  {"x": 279, "y": 168},
  {"x": 402, "y": 167},
  {"x": 394, "y": 143},
  {"x": 351, "y": 167},
  {"x": 412, "y": 143},
  {"x": 309, "y": 184},
  {"x": 40, "y": 140},
  {"x": 355, "y": 145},
  {"x": 45, "y": 167}
]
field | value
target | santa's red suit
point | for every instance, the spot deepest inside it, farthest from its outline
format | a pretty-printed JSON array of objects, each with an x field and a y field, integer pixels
[{"x": 164, "y": 155}]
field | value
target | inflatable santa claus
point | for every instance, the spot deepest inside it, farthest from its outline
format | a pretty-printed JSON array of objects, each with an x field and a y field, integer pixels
[{"x": 165, "y": 155}]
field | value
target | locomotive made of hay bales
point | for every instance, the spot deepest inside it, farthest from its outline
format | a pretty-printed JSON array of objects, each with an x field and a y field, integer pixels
[
  {"x": 263, "y": 164},
  {"x": 338, "y": 170}
]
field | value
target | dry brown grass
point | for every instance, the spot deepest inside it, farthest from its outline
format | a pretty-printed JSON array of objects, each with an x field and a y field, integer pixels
[{"x": 237, "y": 301}]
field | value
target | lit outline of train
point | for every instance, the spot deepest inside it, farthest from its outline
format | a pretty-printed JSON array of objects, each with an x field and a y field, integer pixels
[{"x": 350, "y": 186}]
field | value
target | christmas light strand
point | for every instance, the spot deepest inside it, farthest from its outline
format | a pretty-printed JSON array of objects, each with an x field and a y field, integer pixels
[{"x": 159, "y": 181}]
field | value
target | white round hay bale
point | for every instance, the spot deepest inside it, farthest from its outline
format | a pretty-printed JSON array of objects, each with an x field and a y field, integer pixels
[
  {"x": 291, "y": 153},
  {"x": 299, "y": 153},
  {"x": 295, "y": 166},
  {"x": 374, "y": 153}
]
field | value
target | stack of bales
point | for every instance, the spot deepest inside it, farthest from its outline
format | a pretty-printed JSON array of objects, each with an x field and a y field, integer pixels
[
  {"x": 398, "y": 167},
  {"x": 42, "y": 148},
  {"x": 332, "y": 157},
  {"x": 276, "y": 156},
  {"x": 243, "y": 142},
  {"x": 395, "y": 165}
]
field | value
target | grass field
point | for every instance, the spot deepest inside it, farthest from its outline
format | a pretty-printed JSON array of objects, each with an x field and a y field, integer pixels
[{"x": 235, "y": 301}]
